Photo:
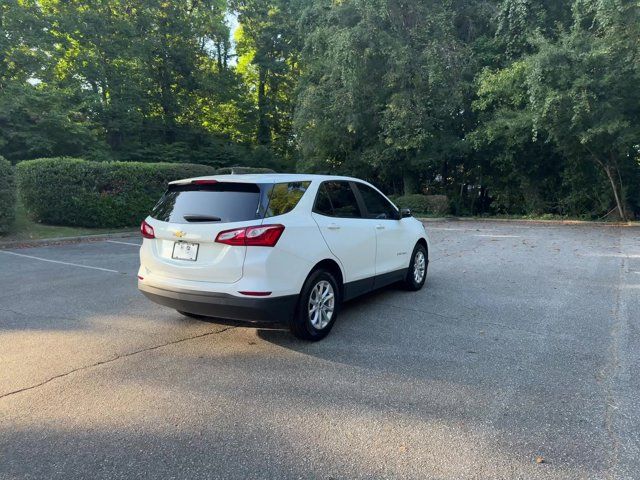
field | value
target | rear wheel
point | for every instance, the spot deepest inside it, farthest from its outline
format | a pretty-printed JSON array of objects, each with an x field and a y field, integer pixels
[
  {"x": 417, "y": 273},
  {"x": 317, "y": 307}
]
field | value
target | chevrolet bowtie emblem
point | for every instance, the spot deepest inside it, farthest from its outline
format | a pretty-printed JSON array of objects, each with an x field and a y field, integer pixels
[{"x": 179, "y": 233}]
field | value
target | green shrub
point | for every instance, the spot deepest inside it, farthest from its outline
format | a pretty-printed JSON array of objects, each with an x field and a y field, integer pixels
[
  {"x": 242, "y": 170},
  {"x": 68, "y": 191},
  {"x": 216, "y": 153},
  {"x": 7, "y": 195},
  {"x": 431, "y": 204}
]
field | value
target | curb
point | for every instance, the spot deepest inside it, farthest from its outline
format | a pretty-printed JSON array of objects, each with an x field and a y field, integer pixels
[
  {"x": 63, "y": 240},
  {"x": 530, "y": 221}
]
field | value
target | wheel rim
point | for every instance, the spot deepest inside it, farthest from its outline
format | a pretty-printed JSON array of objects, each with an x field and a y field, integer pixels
[
  {"x": 419, "y": 266},
  {"x": 321, "y": 304}
]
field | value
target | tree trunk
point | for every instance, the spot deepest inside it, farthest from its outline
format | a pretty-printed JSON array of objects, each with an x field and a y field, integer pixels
[
  {"x": 409, "y": 183},
  {"x": 263, "y": 133},
  {"x": 607, "y": 168},
  {"x": 614, "y": 187}
]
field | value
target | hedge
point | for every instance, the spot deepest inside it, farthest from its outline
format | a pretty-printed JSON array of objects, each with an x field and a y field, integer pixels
[
  {"x": 7, "y": 195},
  {"x": 432, "y": 204},
  {"x": 75, "y": 192}
]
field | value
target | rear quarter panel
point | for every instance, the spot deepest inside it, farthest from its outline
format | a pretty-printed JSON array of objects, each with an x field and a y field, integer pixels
[{"x": 284, "y": 268}]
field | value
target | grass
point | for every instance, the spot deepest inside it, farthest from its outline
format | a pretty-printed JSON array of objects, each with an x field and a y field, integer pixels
[{"x": 24, "y": 229}]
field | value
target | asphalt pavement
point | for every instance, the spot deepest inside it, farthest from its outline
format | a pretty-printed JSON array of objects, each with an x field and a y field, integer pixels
[{"x": 519, "y": 359}]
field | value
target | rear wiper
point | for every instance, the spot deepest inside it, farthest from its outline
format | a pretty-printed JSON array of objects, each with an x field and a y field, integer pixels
[{"x": 201, "y": 218}]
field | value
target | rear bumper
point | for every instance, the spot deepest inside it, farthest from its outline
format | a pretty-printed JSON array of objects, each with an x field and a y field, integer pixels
[{"x": 223, "y": 305}]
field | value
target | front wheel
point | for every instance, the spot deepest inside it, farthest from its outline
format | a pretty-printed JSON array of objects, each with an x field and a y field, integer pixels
[
  {"x": 317, "y": 307},
  {"x": 417, "y": 273}
]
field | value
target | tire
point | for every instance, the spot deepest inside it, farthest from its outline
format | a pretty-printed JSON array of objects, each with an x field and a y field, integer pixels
[
  {"x": 417, "y": 276},
  {"x": 307, "y": 325}
]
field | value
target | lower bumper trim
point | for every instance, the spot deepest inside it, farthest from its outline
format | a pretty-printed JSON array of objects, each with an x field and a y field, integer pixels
[{"x": 223, "y": 305}]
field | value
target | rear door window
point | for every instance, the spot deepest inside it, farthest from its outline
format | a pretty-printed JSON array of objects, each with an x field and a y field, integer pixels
[
  {"x": 209, "y": 203},
  {"x": 323, "y": 202},
  {"x": 336, "y": 199}
]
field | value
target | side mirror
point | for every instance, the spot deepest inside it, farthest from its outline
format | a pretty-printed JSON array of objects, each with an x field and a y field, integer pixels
[{"x": 405, "y": 212}]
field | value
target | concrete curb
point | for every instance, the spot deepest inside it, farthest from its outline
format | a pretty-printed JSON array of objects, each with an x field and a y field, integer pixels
[
  {"x": 62, "y": 240},
  {"x": 527, "y": 221}
]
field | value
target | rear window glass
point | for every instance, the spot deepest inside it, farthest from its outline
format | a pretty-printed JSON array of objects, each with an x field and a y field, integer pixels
[{"x": 219, "y": 202}]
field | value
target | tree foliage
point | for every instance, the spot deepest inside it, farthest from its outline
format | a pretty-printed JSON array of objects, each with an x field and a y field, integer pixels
[
  {"x": 381, "y": 96},
  {"x": 7, "y": 195},
  {"x": 574, "y": 100},
  {"x": 505, "y": 106}
]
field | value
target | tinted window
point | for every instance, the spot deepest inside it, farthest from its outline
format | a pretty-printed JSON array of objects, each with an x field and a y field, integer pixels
[
  {"x": 341, "y": 200},
  {"x": 219, "y": 202},
  {"x": 377, "y": 206},
  {"x": 284, "y": 197},
  {"x": 323, "y": 202}
]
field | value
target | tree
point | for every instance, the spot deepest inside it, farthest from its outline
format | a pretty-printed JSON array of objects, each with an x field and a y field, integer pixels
[
  {"x": 142, "y": 74},
  {"x": 584, "y": 90},
  {"x": 522, "y": 174},
  {"x": 268, "y": 48},
  {"x": 379, "y": 97},
  {"x": 572, "y": 98}
]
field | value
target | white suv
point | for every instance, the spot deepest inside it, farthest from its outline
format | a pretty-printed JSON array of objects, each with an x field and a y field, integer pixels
[{"x": 280, "y": 248}]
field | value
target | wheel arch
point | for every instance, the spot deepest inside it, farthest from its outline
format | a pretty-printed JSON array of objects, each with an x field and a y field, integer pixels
[
  {"x": 332, "y": 267},
  {"x": 422, "y": 241}
]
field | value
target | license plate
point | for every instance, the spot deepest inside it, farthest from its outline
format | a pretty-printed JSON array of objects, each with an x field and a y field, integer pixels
[{"x": 185, "y": 251}]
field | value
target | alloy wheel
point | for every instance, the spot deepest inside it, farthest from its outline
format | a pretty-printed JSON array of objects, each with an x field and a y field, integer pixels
[{"x": 321, "y": 304}]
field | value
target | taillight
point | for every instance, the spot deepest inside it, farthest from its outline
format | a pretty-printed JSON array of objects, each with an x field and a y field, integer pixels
[
  {"x": 264, "y": 236},
  {"x": 259, "y": 236},
  {"x": 232, "y": 237},
  {"x": 147, "y": 230}
]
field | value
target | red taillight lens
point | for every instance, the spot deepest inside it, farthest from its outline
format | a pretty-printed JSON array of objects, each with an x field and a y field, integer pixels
[
  {"x": 147, "y": 230},
  {"x": 264, "y": 235},
  {"x": 259, "y": 236},
  {"x": 232, "y": 237}
]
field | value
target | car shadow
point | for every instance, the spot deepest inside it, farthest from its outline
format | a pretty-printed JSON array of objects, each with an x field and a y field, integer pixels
[{"x": 280, "y": 334}]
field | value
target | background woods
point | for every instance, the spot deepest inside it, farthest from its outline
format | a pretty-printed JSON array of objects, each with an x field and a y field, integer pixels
[{"x": 505, "y": 106}]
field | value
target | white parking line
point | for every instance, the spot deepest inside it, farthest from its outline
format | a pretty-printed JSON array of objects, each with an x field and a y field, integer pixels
[
  {"x": 497, "y": 236},
  {"x": 125, "y": 243},
  {"x": 58, "y": 261}
]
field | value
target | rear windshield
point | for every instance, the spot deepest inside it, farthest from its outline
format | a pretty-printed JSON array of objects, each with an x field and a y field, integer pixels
[
  {"x": 227, "y": 202},
  {"x": 219, "y": 202}
]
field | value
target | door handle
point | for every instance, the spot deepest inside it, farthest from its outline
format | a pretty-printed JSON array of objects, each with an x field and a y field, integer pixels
[
  {"x": 379, "y": 227},
  {"x": 333, "y": 226}
]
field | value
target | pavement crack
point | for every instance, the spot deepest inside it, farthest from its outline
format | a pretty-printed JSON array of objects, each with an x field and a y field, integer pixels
[
  {"x": 38, "y": 315},
  {"x": 611, "y": 369},
  {"x": 113, "y": 359}
]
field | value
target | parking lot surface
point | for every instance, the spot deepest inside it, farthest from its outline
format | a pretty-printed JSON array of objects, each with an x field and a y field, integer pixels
[{"x": 519, "y": 359}]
